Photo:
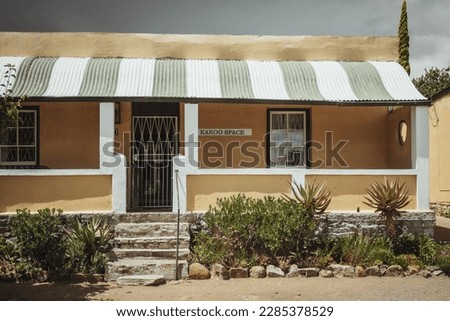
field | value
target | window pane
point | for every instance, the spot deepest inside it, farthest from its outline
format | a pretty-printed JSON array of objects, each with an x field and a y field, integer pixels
[
  {"x": 18, "y": 144},
  {"x": 8, "y": 154},
  {"x": 278, "y": 137},
  {"x": 279, "y": 121},
  {"x": 27, "y": 154},
  {"x": 26, "y": 136},
  {"x": 296, "y": 121},
  {"x": 27, "y": 119},
  {"x": 287, "y": 139},
  {"x": 9, "y": 137},
  {"x": 295, "y": 157},
  {"x": 296, "y": 138}
]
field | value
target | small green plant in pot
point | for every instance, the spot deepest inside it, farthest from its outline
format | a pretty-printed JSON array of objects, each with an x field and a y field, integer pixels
[
  {"x": 313, "y": 197},
  {"x": 388, "y": 198}
]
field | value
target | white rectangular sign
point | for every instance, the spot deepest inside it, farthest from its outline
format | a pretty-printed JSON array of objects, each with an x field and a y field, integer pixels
[{"x": 225, "y": 132}]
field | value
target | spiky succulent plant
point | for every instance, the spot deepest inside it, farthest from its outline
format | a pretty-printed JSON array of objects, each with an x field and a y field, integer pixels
[
  {"x": 313, "y": 197},
  {"x": 388, "y": 198}
]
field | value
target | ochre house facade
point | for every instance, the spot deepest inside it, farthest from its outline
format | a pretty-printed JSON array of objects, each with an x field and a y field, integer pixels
[
  {"x": 440, "y": 149},
  {"x": 116, "y": 123}
]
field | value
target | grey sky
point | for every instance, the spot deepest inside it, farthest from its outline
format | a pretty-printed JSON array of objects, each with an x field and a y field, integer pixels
[{"x": 428, "y": 19}]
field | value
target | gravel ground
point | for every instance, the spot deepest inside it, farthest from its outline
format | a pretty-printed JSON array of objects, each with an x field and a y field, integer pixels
[{"x": 269, "y": 289}]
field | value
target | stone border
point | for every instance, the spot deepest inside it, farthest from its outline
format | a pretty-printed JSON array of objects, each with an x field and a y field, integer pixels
[{"x": 198, "y": 271}]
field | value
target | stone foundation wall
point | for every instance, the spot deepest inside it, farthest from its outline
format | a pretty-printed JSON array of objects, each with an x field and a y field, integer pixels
[
  {"x": 440, "y": 208},
  {"x": 345, "y": 223},
  {"x": 333, "y": 224}
]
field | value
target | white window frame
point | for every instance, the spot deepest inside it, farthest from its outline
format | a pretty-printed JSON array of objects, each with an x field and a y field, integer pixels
[
  {"x": 18, "y": 146},
  {"x": 273, "y": 162}
]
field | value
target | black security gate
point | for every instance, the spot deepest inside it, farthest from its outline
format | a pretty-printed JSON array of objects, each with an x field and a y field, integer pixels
[{"x": 155, "y": 144}]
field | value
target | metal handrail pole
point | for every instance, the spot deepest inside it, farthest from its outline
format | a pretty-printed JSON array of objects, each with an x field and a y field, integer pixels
[{"x": 177, "y": 276}]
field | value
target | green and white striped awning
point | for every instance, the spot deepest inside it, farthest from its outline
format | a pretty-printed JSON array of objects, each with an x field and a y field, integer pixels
[{"x": 184, "y": 80}]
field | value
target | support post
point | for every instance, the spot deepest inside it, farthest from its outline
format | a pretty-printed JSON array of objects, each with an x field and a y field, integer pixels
[
  {"x": 110, "y": 162},
  {"x": 420, "y": 155}
]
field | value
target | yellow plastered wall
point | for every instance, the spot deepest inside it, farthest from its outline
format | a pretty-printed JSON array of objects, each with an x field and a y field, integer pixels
[
  {"x": 68, "y": 135},
  {"x": 398, "y": 155},
  {"x": 439, "y": 148},
  {"x": 227, "y": 151},
  {"x": 370, "y": 134},
  {"x": 70, "y": 193},
  {"x": 348, "y": 191},
  {"x": 204, "y": 190},
  {"x": 364, "y": 129}
]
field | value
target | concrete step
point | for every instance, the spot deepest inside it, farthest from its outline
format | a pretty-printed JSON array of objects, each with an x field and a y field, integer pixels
[
  {"x": 145, "y": 266},
  {"x": 169, "y": 242},
  {"x": 150, "y": 253},
  {"x": 154, "y": 229},
  {"x": 146, "y": 280},
  {"x": 153, "y": 217}
]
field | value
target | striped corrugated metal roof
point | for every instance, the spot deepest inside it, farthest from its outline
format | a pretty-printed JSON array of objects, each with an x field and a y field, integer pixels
[{"x": 323, "y": 81}]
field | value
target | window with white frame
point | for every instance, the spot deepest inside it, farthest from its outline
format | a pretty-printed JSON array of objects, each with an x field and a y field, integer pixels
[
  {"x": 287, "y": 138},
  {"x": 18, "y": 144}
]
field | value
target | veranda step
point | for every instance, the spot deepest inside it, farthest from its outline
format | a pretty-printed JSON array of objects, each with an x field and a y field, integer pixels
[
  {"x": 164, "y": 242},
  {"x": 143, "y": 266},
  {"x": 153, "y": 217},
  {"x": 154, "y": 229},
  {"x": 153, "y": 279},
  {"x": 150, "y": 253}
]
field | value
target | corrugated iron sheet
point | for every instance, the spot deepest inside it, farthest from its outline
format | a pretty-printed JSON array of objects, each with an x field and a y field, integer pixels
[{"x": 323, "y": 81}]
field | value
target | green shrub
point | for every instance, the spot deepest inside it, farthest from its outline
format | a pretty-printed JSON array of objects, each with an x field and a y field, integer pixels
[
  {"x": 407, "y": 243},
  {"x": 326, "y": 251},
  {"x": 88, "y": 243},
  {"x": 246, "y": 230},
  {"x": 423, "y": 247},
  {"x": 407, "y": 259},
  {"x": 443, "y": 261},
  {"x": 39, "y": 238},
  {"x": 362, "y": 250},
  {"x": 6, "y": 249},
  {"x": 211, "y": 249},
  {"x": 428, "y": 249}
]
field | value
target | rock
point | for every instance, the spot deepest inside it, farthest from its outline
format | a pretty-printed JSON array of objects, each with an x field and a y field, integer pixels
[
  {"x": 218, "y": 271},
  {"x": 147, "y": 280},
  {"x": 424, "y": 273},
  {"x": 341, "y": 270},
  {"x": 258, "y": 272},
  {"x": 360, "y": 272},
  {"x": 309, "y": 272},
  {"x": 274, "y": 272},
  {"x": 198, "y": 272},
  {"x": 436, "y": 273},
  {"x": 293, "y": 271},
  {"x": 432, "y": 268},
  {"x": 326, "y": 273},
  {"x": 394, "y": 270},
  {"x": 413, "y": 269},
  {"x": 383, "y": 269},
  {"x": 373, "y": 270},
  {"x": 238, "y": 273}
]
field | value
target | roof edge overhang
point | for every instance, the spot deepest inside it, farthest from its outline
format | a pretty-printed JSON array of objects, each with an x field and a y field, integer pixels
[{"x": 231, "y": 101}]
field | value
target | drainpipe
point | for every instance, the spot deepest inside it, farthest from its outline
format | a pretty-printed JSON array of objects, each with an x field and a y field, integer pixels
[{"x": 177, "y": 276}]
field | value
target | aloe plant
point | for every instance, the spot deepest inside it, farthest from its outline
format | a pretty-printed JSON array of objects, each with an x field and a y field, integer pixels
[
  {"x": 93, "y": 238},
  {"x": 388, "y": 198},
  {"x": 313, "y": 197}
]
